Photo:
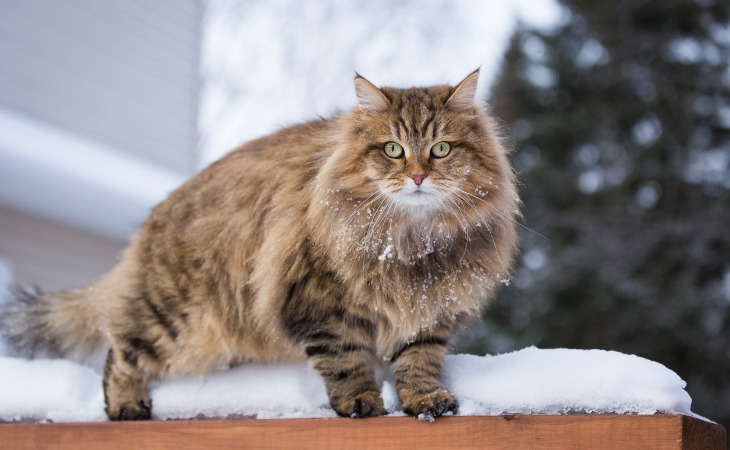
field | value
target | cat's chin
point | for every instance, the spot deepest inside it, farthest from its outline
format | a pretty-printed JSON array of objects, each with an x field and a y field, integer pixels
[{"x": 419, "y": 203}]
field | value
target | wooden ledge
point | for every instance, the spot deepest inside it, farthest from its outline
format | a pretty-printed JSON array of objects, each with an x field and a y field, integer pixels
[{"x": 489, "y": 432}]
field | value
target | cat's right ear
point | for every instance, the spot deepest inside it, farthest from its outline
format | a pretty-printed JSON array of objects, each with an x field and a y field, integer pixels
[
  {"x": 369, "y": 98},
  {"x": 463, "y": 98}
]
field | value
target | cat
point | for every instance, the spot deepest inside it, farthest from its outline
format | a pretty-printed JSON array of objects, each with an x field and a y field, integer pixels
[{"x": 367, "y": 238}]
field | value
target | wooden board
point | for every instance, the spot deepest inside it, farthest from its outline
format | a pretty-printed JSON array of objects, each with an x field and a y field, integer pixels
[{"x": 488, "y": 432}]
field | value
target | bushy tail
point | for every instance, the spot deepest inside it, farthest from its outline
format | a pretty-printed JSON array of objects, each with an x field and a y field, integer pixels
[{"x": 57, "y": 324}]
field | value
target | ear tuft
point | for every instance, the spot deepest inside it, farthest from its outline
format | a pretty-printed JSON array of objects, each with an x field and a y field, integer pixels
[
  {"x": 369, "y": 97},
  {"x": 464, "y": 96}
]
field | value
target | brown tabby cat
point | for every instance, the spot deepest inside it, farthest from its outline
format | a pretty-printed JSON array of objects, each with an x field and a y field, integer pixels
[{"x": 371, "y": 236}]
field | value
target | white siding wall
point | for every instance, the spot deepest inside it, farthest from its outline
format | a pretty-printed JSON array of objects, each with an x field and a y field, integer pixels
[
  {"x": 52, "y": 256},
  {"x": 124, "y": 73},
  {"x": 98, "y": 121}
]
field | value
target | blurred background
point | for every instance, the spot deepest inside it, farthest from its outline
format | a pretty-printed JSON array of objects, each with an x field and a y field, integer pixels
[{"x": 618, "y": 114}]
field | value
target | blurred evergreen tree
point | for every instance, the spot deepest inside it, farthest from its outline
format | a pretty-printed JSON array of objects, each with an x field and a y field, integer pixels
[{"x": 620, "y": 117}]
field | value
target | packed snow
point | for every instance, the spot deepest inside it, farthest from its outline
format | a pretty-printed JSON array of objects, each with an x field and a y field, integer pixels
[{"x": 528, "y": 381}]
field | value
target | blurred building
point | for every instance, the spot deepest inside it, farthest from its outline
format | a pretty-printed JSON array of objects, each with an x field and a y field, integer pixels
[{"x": 98, "y": 120}]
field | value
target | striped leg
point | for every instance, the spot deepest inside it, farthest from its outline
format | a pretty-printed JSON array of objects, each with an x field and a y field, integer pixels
[
  {"x": 340, "y": 345},
  {"x": 417, "y": 366},
  {"x": 346, "y": 364},
  {"x": 125, "y": 390}
]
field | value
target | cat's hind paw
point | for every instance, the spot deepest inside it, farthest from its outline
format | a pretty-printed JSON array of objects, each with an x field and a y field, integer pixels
[{"x": 135, "y": 410}]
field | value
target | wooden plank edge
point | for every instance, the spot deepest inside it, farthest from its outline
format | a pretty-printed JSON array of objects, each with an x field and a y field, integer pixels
[
  {"x": 696, "y": 435},
  {"x": 490, "y": 432}
]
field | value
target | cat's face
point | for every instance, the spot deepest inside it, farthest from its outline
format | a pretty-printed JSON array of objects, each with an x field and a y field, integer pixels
[{"x": 424, "y": 150}]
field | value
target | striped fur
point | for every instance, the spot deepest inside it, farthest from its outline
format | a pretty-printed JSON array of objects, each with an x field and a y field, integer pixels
[{"x": 297, "y": 246}]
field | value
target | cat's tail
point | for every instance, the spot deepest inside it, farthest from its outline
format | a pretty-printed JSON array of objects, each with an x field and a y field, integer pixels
[{"x": 56, "y": 324}]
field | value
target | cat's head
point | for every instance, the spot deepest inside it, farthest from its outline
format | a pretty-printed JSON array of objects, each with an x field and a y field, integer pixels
[{"x": 422, "y": 150}]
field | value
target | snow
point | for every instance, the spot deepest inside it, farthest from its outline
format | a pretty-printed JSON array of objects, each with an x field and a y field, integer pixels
[
  {"x": 387, "y": 253},
  {"x": 528, "y": 381},
  {"x": 564, "y": 381},
  {"x": 54, "y": 390}
]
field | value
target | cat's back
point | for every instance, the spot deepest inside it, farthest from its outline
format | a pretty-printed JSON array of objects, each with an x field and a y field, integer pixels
[
  {"x": 217, "y": 222},
  {"x": 287, "y": 158},
  {"x": 252, "y": 179}
]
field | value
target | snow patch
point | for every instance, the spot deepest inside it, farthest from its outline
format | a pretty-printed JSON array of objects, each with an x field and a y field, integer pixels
[
  {"x": 53, "y": 390},
  {"x": 387, "y": 253},
  {"x": 529, "y": 381},
  {"x": 563, "y": 381}
]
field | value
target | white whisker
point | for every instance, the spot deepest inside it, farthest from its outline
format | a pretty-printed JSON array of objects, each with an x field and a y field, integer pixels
[
  {"x": 464, "y": 225},
  {"x": 486, "y": 225},
  {"x": 502, "y": 214}
]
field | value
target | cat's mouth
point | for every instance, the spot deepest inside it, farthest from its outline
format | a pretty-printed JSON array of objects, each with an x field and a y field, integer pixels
[{"x": 419, "y": 196}]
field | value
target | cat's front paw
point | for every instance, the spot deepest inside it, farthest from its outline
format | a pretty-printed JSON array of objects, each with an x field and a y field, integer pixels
[
  {"x": 130, "y": 410},
  {"x": 430, "y": 405},
  {"x": 365, "y": 404}
]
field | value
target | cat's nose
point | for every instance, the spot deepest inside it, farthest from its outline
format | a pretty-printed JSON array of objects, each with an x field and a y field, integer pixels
[{"x": 418, "y": 178}]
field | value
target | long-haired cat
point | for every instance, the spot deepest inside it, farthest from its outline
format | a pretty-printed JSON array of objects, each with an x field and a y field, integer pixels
[{"x": 365, "y": 238}]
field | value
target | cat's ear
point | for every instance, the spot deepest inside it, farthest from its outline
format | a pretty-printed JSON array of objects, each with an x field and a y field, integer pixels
[
  {"x": 369, "y": 97},
  {"x": 464, "y": 96}
]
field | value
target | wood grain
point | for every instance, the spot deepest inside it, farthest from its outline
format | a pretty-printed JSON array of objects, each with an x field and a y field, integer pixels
[
  {"x": 697, "y": 436},
  {"x": 487, "y": 432}
]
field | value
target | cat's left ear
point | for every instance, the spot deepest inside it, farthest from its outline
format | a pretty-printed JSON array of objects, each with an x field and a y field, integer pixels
[
  {"x": 369, "y": 97},
  {"x": 464, "y": 96}
]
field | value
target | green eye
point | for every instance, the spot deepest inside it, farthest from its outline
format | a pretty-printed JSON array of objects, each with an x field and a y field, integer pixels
[
  {"x": 441, "y": 149},
  {"x": 393, "y": 150}
]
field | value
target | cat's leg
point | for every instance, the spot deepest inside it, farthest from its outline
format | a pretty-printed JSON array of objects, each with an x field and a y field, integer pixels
[
  {"x": 125, "y": 388},
  {"x": 417, "y": 366},
  {"x": 347, "y": 369},
  {"x": 339, "y": 344}
]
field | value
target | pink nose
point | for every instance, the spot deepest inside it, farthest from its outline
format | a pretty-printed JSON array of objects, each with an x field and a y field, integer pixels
[{"x": 418, "y": 178}]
